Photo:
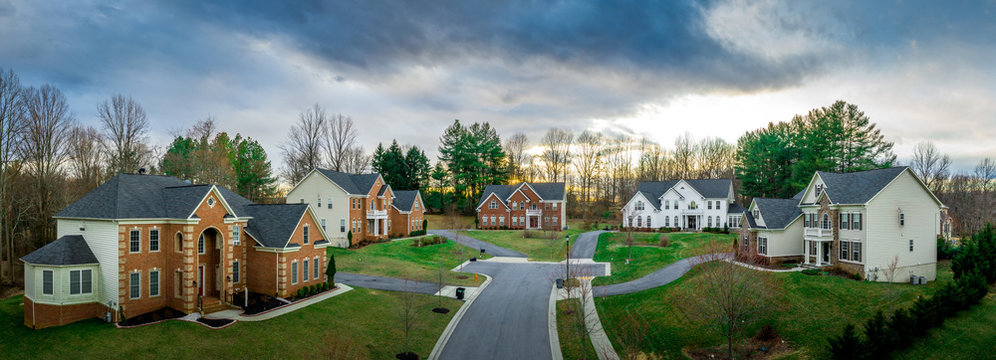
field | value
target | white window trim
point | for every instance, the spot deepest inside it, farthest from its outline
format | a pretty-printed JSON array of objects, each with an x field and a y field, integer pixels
[
  {"x": 851, "y": 253},
  {"x": 159, "y": 240},
  {"x": 133, "y": 231},
  {"x": 236, "y": 235},
  {"x": 201, "y": 245},
  {"x": 305, "y": 270},
  {"x": 317, "y": 271},
  {"x": 81, "y": 293},
  {"x": 159, "y": 283},
  {"x": 294, "y": 272},
  {"x": 52, "y": 283},
  {"x": 305, "y": 234},
  {"x": 131, "y": 285},
  {"x": 236, "y": 272}
]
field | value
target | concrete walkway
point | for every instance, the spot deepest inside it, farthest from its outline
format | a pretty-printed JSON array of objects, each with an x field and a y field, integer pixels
[
  {"x": 473, "y": 243},
  {"x": 237, "y": 314},
  {"x": 596, "y": 333}
]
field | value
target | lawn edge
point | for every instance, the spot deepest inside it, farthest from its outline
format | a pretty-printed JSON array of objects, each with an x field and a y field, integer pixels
[{"x": 448, "y": 331}]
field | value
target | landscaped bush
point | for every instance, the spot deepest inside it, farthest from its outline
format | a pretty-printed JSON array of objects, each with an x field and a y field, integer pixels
[
  {"x": 664, "y": 241},
  {"x": 945, "y": 249},
  {"x": 326, "y": 286},
  {"x": 882, "y": 336},
  {"x": 811, "y": 271},
  {"x": 302, "y": 293}
]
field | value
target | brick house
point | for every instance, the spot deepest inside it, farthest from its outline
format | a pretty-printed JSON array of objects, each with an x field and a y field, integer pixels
[
  {"x": 859, "y": 221},
  {"x": 407, "y": 212},
  {"x": 140, "y": 243},
  {"x": 523, "y": 206}
]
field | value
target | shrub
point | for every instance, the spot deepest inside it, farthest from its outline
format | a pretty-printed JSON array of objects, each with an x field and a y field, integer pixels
[
  {"x": 945, "y": 249},
  {"x": 301, "y": 293},
  {"x": 330, "y": 270},
  {"x": 425, "y": 225},
  {"x": 315, "y": 289},
  {"x": 664, "y": 241},
  {"x": 349, "y": 238},
  {"x": 848, "y": 345},
  {"x": 811, "y": 271},
  {"x": 857, "y": 276}
]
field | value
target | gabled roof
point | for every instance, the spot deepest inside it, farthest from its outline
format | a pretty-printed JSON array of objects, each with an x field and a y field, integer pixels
[
  {"x": 857, "y": 187},
  {"x": 735, "y": 208},
  {"x": 708, "y": 188},
  {"x": 133, "y": 196},
  {"x": 653, "y": 190},
  {"x": 777, "y": 213},
  {"x": 67, "y": 250},
  {"x": 545, "y": 191},
  {"x": 404, "y": 199},
  {"x": 273, "y": 224},
  {"x": 353, "y": 184}
]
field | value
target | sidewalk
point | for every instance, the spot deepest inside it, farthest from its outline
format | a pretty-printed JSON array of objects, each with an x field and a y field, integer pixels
[
  {"x": 599, "y": 340},
  {"x": 237, "y": 314}
]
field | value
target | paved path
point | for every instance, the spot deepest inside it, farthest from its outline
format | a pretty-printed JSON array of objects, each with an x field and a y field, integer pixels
[
  {"x": 237, "y": 314},
  {"x": 509, "y": 320},
  {"x": 473, "y": 243},
  {"x": 657, "y": 278},
  {"x": 584, "y": 247}
]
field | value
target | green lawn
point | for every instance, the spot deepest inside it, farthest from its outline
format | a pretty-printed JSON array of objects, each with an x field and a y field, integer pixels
[
  {"x": 970, "y": 335},
  {"x": 567, "y": 333},
  {"x": 367, "y": 318},
  {"x": 399, "y": 259},
  {"x": 647, "y": 256},
  {"x": 535, "y": 249},
  {"x": 810, "y": 309}
]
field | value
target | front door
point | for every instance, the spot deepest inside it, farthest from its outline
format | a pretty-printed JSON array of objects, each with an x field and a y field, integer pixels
[
  {"x": 826, "y": 252},
  {"x": 534, "y": 222},
  {"x": 200, "y": 280},
  {"x": 691, "y": 222}
]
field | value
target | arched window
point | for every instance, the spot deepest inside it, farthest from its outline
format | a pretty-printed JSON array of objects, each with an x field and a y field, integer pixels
[
  {"x": 200, "y": 244},
  {"x": 178, "y": 243},
  {"x": 648, "y": 220},
  {"x": 639, "y": 221},
  {"x": 709, "y": 218},
  {"x": 826, "y": 221},
  {"x": 667, "y": 221},
  {"x": 676, "y": 221}
]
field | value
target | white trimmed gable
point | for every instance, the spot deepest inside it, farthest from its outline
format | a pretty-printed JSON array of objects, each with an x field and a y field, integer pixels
[
  {"x": 759, "y": 218},
  {"x": 810, "y": 196},
  {"x": 487, "y": 203},
  {"x": 631, "y": 205}
]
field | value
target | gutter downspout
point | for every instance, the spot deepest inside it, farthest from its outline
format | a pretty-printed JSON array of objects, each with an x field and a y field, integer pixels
[{"x": 276, "y": 274}]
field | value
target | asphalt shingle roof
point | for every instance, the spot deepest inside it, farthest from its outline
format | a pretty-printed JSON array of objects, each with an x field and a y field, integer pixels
[
  {"x": 67, "y": 250},
  {"x": 777, "y": 213},
  {"x": 709, "y": 188},
  {"x": 858, "y": 187},
  {"x": 273, "y": 224},
  {"x": 545, "y": 191},
  {"x": 735, "y": 208},
  {"x": 653, "y": 190},
  {"x": 354, "y": 184},
  {"x": 404, "y": 199}
]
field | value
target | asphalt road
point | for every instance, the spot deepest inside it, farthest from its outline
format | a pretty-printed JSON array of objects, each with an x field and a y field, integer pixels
[
  {"x": 386, "y": 283},
  {"x": 584, "y": 247},
  {"x": 509, "y": 319},
  {"x": 473, "y": 243}
]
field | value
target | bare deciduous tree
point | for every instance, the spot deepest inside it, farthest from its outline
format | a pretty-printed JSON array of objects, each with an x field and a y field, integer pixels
[
  {"x": 303, "y": 148},
  {"x": 930, "y": 165},
  {"x": 715, "y": 158},
  {"x": 557, "y": 155},
  {"x": 43, "y": 148},
  {"x": 86, "y": 157},
  {"x": 515, "y": 152},
  {"x": 631, "y": 329},
  {"x": 125, "y": 127},
  {"x": 408, "y": 316},
  {"x": 340, "y": 137},
  {"x": 684, "y": 156},
  {"x": 588, "y": 162},
  {"x": 890, "y": 274},
  {"x": 12, "y": 120},
  {"x": 357, "y": 160},
  {"x": 727, "y": 297}
]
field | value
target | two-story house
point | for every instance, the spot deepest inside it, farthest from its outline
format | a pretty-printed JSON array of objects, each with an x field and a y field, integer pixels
[
  {"x": 861, "y": 222},
  {"x": 685, "y": 204},
  {"x": 140, "y": 243},
  {"x": 523, "y": 206},
  {"x": 350, "y": 203},
  {"x": 407, "y": 213}
]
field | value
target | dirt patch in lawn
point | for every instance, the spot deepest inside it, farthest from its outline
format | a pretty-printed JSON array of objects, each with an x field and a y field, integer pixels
[{"x": 766, "y": 344}]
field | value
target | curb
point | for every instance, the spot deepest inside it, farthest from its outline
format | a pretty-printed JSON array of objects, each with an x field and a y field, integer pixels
[
  {"x": 556, "y": 353},
  {"x": 448, "y": 331}
]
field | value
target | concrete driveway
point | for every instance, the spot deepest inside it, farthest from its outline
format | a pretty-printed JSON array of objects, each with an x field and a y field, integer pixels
[
  {"x": 509, "y": 320},
  {"x": 473, "y": 243}
]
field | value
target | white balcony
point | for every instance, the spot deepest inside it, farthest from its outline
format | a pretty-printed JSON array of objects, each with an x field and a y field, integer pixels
[
  {"x": 818, "y": 234},
  {"x": 534, "y": 212},
  {"x": 697, "y": 211},
  {"x": 376, "y": 214}
]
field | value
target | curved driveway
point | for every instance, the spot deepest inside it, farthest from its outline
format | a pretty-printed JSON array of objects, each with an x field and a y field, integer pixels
[
  {"x": 584, "y": 247},
  {"x": 661, "y": 277},
  {"x": 473, "y": 243},
  {"x": 509, "y": 320},
  {"x": 386, "y": 283}
]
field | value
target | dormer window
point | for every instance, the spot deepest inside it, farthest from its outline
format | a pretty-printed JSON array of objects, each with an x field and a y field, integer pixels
[
  {"x": 756, "y": 213},
  {"x": 819, "y": 189}
]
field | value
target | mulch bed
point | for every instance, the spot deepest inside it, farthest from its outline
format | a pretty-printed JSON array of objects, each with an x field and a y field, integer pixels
[
  {"x": 215, "y": 323},
  {"x": 152, "y": 317},
  {"x": 407, "y": 356},
  {"x": 259, "y": 303},
  {"x": 441, "y": 310}
]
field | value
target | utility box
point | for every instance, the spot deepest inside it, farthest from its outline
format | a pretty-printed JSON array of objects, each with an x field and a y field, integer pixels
[
  {"x": 459, "y": 293},
  {"x": 560, "y": 283}
]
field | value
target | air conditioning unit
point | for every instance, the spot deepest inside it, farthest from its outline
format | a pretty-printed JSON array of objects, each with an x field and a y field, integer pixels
[
  {"x": 922, "y": 280},
  {"x": 913, "y": 280}
]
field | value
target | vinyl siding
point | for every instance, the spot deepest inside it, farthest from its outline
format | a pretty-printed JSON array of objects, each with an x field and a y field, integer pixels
[
  {"x": 810, "y": 196},
  {"x": 787, "y": 242},
  {"x": 310, "y": 189},
  {"x": 886, "y": 239},
  {"x": 102, "y": 237}
]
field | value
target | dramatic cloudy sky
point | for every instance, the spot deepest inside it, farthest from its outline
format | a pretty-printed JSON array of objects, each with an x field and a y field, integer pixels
[{"x": 404, "y": 69}]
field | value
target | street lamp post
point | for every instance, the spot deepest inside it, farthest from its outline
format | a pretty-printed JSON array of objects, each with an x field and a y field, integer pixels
[{"x": 567, "y": 241}]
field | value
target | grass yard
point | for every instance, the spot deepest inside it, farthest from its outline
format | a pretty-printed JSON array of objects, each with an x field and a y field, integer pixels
[
  {"x": 567, "y": 333},
  {"x": 535, "y": 249},
  {"x": 970, "y": 335},
  {"x": 647, "y": 256},
  {"x": 399, "y": 259},
  {"x": 367, "y": 318},
  {"x": 443, "y": 222},
  {"x": 810, "y": 309}
]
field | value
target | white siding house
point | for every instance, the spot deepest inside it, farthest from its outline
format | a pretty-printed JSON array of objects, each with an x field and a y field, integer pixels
[
  {"x": 102, "y": 237},
  {"x": 686, "y": 204},
  {"x": 329, "y": 201}
]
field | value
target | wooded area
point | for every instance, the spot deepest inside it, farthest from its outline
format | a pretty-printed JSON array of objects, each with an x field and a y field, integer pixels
[{"x": 49, "y": 160}]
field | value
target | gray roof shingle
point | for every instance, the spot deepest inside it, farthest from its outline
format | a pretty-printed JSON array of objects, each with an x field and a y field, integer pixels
[
  {"x": 404, "y": 199},
  {"x": 273, "y": 224},
  {"x": 709, "y": 188},
  {"x": 133, "y": 196},
  {"x": 354, "y": 184},
  {"x": 777, "y": 213},
  {"x": 67, "y": 250},
  {"x": 545, "y": 191},
  {"x": 858, "y": 187},
  {"x": 735, "y": 208},
  {"x": 653, "y": 190}
]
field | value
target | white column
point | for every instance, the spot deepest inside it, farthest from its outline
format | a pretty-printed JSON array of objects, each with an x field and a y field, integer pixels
[
  {"x": 805, "y": 250},
  {"x": 819, "y": 253},
  {"x": 377, "y": 227}
]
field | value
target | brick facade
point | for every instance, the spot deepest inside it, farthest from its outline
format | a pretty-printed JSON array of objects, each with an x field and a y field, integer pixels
[{"x": 40, "y": 316}]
